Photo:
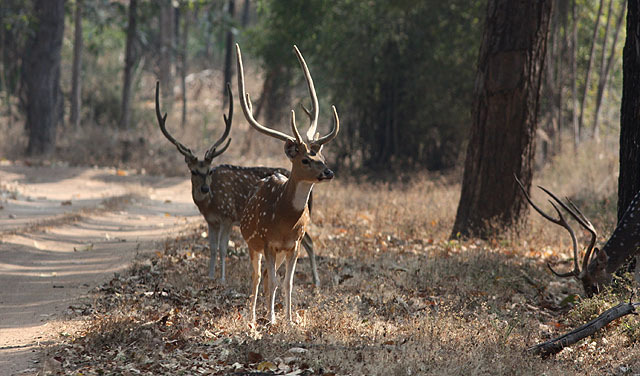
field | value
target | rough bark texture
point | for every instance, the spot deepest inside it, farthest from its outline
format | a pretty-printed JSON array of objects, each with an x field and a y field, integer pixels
[
  {"x": 41, "y": 76},
  {"x": 502, "y": 141},
  {"x": 629, "y": 178},
  {"x": 76, "y": 79},
  {"x": 129, "y": 61}
]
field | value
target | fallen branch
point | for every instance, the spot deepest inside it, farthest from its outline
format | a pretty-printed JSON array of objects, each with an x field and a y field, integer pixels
[{"x": 556, "y": 345}]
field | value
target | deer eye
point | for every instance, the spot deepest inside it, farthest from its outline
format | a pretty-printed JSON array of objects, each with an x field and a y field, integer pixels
[{"x": 305, "y": 161}]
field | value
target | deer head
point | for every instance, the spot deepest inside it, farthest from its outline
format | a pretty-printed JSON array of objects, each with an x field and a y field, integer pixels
[
  {"x": 593, "y": 274},
  {"x": 199, "y": 168},
  {"x": 307, "y": 162}
]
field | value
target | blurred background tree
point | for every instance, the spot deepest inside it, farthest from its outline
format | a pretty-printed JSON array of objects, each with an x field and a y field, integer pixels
[{"x": 400, "y": 73}]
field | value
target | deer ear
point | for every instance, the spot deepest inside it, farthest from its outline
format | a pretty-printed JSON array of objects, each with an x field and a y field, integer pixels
[{"x": 291, "y": 149}]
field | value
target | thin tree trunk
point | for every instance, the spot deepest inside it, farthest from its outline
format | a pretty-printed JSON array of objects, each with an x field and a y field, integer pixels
[
  {"x": 629, "y": 177},
  {"x": 605, "y": 71},
  {"x": 129, "y": 62},
  {"x": 574, "y": 80},
  {"x": 166, "y": 51},
  {"x": 589, "y": 69},
  {"x": 506, "y": 98},
  {"x": 246, "y": 10},
  {"x": 76, "y": 78},
  {"x": 228, "y": 73},
  {"x": 184, "y": 60},
  {"x": 41, "y": 76}
]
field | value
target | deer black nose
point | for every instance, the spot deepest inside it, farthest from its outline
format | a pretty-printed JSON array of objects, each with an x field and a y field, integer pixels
[
  {"x": 204, "y": 189},
  {"x": 326, "y": 174}
]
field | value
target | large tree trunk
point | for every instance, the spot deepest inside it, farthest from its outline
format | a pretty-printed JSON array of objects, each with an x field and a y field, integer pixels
[
  {"x": 502, "y": 141},
  {"x": 228, "y": 73},
  {"x": 129, "y": 62},
  {"x": 41, "y": 76},
  {"x": 629, "y": 178},
  {"x": 76, "y": 78}
]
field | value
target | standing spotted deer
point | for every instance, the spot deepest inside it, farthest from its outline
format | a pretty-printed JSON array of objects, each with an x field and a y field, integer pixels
[
  {"x": 598, "y": 265},
  {"x": 221, "y": 193},
  {"x": 276, "y": 217}
]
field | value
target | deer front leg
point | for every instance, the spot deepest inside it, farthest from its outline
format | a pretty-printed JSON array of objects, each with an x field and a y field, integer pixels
[
  {"x": 223, "y": 243},
  {"x": 270, "y": 263},
  {"x": 256, "y": 263},
  {"x": 292, "y": 258},
  {"x": 214, "y": 236}
]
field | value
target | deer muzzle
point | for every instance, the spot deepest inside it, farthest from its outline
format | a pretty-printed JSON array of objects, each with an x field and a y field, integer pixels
[{"x": 326, "y": 174}]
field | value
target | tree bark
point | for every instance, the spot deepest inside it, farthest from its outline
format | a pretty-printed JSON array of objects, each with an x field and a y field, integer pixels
[
  {"x": 228, "y": 73},
  {"x": 184, "y": 40},
  {"x": 129, "y": 62},
  {"x": 246, "y": 11},
  {"x": 629, "y": 177},
  {"x": 574, "y": 79},
  {"x": 76, "y": 78},
  {"x": 502, "y": 141},
  {"x": 41, "y": 76},
  {"x": 587, "y": 77}
]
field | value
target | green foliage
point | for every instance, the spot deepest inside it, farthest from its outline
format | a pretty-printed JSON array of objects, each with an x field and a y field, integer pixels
[{"x": 400, "y": 73}]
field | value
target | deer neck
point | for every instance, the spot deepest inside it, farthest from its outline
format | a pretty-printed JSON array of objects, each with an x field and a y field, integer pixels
[{"x": 296, "y": 193}]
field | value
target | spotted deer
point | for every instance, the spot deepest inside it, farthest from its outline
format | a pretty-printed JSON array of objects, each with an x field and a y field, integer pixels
[
  {"x": 276, "y": 216},
  {"x": 598, "y": 265},
  {"x": 220, "y": 193}
]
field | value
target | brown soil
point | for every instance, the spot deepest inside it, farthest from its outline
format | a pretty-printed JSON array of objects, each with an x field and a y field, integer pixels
[{"x": 63, "y": 231}]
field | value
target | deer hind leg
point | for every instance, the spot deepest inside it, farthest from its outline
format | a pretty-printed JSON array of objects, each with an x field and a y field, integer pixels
[
  {"x": 292, "y": 258},
  {"x": 256, "y": 263},
  {"x": 214, "y": 236},
  {"x": 307, "y": 243},
  {"x": 225, "y": 230},
  {"x": 265, "y": 275},
  {"x": 270, "y": 263}
]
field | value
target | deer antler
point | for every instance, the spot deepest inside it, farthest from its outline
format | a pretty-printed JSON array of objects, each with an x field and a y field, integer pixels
[
  {"x": 212, "y": 153},
  {"x": 247, "y": 108},
  {"x": 573, "y": 210},
  {"x": 161, "y": 122},
  {"x": 313, "y": 113}
]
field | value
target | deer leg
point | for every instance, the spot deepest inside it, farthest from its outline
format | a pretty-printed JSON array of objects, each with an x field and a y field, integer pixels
[
  {"x": 214, "y": 236},
  {"x": 292, "y": 258},
  {"x": 270, "y": 263},
  {"x": 225, "y": 229},
  {"x": 307, "y": 243},
  {"x": 256, "y": 263}
]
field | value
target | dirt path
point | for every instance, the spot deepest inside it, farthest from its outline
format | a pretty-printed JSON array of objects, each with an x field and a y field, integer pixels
[{"x": 63, "y": 231}]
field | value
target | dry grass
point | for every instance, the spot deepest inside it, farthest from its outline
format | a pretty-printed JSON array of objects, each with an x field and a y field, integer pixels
[{"x": 397, "y": 296}]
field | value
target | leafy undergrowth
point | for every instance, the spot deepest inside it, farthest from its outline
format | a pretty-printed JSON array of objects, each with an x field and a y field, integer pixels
[{"x": 397, "y": 298}]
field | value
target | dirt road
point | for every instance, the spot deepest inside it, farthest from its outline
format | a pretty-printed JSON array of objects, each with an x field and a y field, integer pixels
[{"x": 63, "y": 231}]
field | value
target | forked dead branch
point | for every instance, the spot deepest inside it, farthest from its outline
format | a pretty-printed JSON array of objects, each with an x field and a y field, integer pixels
[
  {"x": 221, "y": 193},
  {"x": 277, "y": 215}
]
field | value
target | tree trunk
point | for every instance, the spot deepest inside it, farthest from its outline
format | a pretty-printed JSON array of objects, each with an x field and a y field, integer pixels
[
  {"x": 502, "y": 141},
  {"x": 574, "y": 79},
  {"x": 184, "y": 40},
  {"x": 246, "y": 12},
  {"x": 41, "y": 76},
  {"x": 587, "y": 77},
  {"x": 166, "y": 51},
  {"x": 629, "y": 178},
  {"x": 605, "y": 71},
  {"x": 76, "y": 78},
  {"x": 228, "y": 73},
  {"x": 129, "y": 62}
]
